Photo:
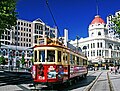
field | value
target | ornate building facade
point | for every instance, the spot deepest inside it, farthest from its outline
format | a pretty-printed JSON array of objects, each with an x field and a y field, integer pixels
[{"x": 100, "y": 48}]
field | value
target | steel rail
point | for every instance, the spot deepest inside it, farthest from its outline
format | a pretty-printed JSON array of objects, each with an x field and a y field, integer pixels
[
  {"x": 89, "y": 87},
  {"x": 110, "y": 83}
]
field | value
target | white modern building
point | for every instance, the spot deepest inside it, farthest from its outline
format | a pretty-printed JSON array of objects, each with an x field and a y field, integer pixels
[
  {"x": 100, "y": 48},
  {"x": 18, "y": 41}
]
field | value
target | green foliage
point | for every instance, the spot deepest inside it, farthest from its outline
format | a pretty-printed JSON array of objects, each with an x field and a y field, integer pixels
[
  {"x": 23, "y": 60},
  {"x": 17, "y": 63},
  {"x": 8, "y": 16},
  {"x": 116, "y": 21},
  {"x": 2, "y": 60}
]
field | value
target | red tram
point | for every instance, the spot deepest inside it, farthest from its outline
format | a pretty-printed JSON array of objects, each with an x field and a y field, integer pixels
[{"x": 56, "y": 63}]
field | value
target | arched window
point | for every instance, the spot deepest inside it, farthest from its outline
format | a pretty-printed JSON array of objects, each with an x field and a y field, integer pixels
[
  {"x": 92, "y": 34},
  {"x": 110, "y": 46},
  {"x": 99, "y": 33},
  {"x": 118, "y": 48},
  {"x": 84, "y": 47},
  {"x": 4, "y": 52}
]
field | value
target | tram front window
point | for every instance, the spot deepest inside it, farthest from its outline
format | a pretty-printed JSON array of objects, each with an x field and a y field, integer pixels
[
  {"x": 59, "y": 56},
  {"x": 35, "y": 54},
  {"x": 42, "y": 56},
  {"x": 51, "y": 55}
]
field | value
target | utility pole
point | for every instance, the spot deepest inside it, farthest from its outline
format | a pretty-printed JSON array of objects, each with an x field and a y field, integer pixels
[{"x": 77, "y": 37}]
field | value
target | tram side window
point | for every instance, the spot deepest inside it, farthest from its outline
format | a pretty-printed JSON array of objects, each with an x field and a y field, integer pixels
[
  {"x": 65, "y": 57},
  {"x": 35, "y": 56},
  {"x": 59, "y": 56},
  {"x": 84, "y": 62},
  {"x": 51, "y": 55},
  {"x": 71, "y": 61},
  {"x": 42, "y": 55},
  {"x": 77, "y": 60}
]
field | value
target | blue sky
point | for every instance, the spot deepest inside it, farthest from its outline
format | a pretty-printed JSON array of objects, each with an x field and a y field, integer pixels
[{"x": 74, "y": 15}]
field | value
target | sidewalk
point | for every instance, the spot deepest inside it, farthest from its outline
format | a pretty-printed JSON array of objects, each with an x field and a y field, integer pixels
[{"x": 115, "y": 80}]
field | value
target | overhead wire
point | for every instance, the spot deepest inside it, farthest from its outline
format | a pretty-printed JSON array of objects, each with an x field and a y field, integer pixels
[{"x": 53, "y": 17}]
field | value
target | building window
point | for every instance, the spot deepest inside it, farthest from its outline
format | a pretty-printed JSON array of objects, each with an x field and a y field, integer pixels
[
  {"x": 99, "y": 33},
  {"x": 24, "y": 24},
  {"x": 88, "y": 53},
  {"x": 93, "y": 45},
  {"x": 98, "y": 45},
  {"x": 29, "y": 25},
  {"x": 92, "y": 34},
  {"x": 21, "y": 23},
  {"x": 21, "y": 28},
  {"x": 29, "y": 40},
  {"x": 101, "y": 44},
  {"x": 18, "y": 23},
  {"x": 29, "y": 35},
  {"x": 110, "y": 46},
  {"x": 99, "y": 52},
  {"x": 88, "y": 46},
  {"x": 21, "y": 34},
  {"x": 29, "y": 30},
  {"x": 8, "y": 37},
  {"x": 29, "y": 45},
  {"x": 93, "y": 52}
]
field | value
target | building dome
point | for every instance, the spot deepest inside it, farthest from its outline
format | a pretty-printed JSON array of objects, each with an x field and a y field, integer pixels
[{"x": 98, "y": 19}]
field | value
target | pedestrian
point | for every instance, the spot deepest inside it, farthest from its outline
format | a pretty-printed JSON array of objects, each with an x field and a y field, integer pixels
[
  {"x": 115, "y": 69},
  {"x": 111, "y": 70},
  {"x": 119, "y": 70}
]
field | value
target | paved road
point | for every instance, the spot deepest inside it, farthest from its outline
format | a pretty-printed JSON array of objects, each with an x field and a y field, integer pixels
[
  {"x": 82, "y": 85},
  {"x": 115, "y": 80},
  {"x": 102, "y": 83},
  {"x": 79, "y": 86},
  {"x": 13, "y": 82}
]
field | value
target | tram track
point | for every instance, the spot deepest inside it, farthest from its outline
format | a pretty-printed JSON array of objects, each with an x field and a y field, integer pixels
[
  {"x": 91, "y": 86},
  {"x": 65, "y": 86},
  {"x": 110, "y": 83},
  {"x": 88, "y": 88}
]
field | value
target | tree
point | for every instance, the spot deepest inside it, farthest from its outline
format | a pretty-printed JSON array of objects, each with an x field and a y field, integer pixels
[
  {"x": 116, "y": 21},
  {"x": 8, "y": 16},
  {"x": 2, "y": 60},
  {"x": 23, "y": 60}
]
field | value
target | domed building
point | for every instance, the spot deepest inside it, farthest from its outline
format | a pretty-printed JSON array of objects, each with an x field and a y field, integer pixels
[{"x": 101, "y": 49}]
